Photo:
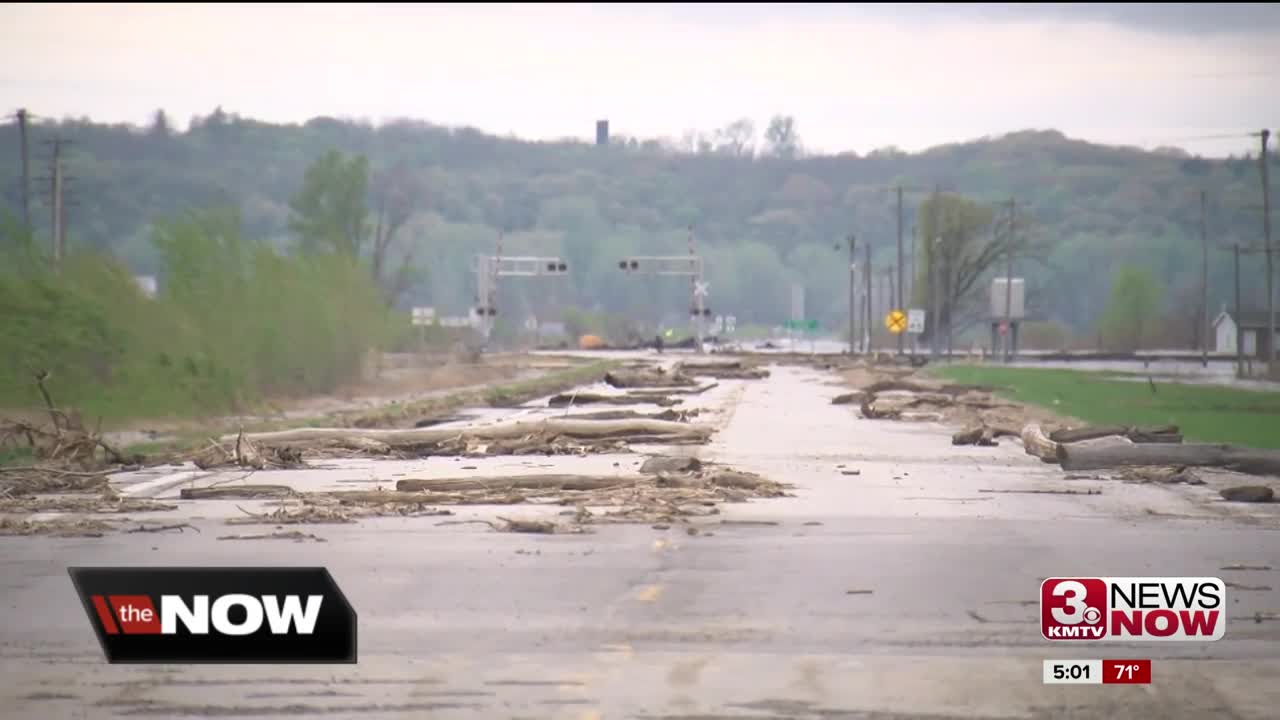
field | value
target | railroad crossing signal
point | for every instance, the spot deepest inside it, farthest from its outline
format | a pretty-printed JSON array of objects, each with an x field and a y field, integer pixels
[{"x": 896, "y": 321}]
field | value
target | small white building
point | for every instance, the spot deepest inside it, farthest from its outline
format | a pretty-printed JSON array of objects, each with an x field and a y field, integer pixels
[
  {"x": 147, "y": 284},
  {"x": 1251, "y": 327}
]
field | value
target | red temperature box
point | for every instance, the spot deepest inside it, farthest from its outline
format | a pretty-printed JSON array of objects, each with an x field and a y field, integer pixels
[{"x": 1126, "y": 672}]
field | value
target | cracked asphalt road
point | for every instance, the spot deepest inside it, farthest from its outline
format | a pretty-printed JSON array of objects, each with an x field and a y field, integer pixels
[{"x": 765, "y": 613}]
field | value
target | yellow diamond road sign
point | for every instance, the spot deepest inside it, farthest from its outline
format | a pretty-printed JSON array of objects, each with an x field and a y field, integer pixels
[{"x": 896, "y": 321}]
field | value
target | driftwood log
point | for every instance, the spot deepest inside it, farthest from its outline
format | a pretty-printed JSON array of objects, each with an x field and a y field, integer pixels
[
  {"x": 979, "y": 435},
  {"x": 1135, "y": 433},
  {"x": 643, "y": 379},
  {"x": 235, "y": 492},
  {"x": 571, "y": 399},
  {"x": 848, "y": 398},
  {"x": 1081, "y": 456},
  {"x": 527, "y": 482},
  {"x": 696, "y": 367},
  {"x": 568, "y": 427},
  {"x": 908, "y": 386},
  {"x": 1036, "y": 443}
]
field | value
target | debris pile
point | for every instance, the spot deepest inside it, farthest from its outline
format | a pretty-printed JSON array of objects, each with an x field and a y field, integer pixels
[
  {"x": 671, "y": 490},
  {"x": 730, "y": 370}
]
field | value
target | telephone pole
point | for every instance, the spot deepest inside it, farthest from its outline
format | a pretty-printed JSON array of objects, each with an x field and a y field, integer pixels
[
  {"x": 57, "y": 216},
  {"x": 853, "y": 296},
  {"x": 1266, "y": 235},
  {"x": 900, "y": 305},
  {"x": 1008, "y": 283},
  {"x": 866, "y": 273},
  {"x": 1236, "y": 313},
  {"x": 1204, "y": 282},
  {"x": 26, "y": 168},
  {"x": 933, "y": 247}
]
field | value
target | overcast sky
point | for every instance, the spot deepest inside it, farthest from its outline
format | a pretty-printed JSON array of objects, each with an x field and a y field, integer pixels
[{"x": 854, "y": 77}]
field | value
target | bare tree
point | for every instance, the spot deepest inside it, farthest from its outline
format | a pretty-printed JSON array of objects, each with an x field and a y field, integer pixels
[
  {"x": 966, "y": 242},
  {"x": 397, "y": 194},
  {"x": 737, "y": 138}
]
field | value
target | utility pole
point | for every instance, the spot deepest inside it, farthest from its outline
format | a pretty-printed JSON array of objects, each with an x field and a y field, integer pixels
[
  {"x": 934, "y": 319},
  {"x": 56, "y": 182},
  {"x": 26, "y": 168},
  {"x": 1236, "y": 318},
  {"x": 1266, "y": 235},
  {"x": 892, "y": 296},
  {"x": 1204, "y": 282},
  {"x": 866, "y": 273},
  {"x": 900, "y": 305},
  {"x": 1008, "y": 284},
  {"x": 853, "y": 299}
]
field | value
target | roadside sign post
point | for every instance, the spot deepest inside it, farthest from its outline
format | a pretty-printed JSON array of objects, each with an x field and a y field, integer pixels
[
  {"x": 422, "y": 317},
  {"x": 915, "y": 326}
]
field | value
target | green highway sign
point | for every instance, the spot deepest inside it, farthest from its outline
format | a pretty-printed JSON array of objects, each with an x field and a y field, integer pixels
[{"x": 810, "y": 325}]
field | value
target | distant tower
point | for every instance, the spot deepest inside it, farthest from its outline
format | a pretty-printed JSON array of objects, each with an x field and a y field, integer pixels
[{"x": 602, "y": 132}]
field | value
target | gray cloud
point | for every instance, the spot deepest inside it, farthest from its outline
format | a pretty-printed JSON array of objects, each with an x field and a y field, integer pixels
[{"x": 1169, "y": 18}]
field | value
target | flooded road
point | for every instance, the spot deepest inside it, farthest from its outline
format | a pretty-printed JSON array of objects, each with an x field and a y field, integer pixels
[{"x": 900, "y": 581}]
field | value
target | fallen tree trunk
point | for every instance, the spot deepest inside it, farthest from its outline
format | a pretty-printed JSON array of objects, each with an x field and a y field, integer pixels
[
  {"x": 528, "y": 482},
  {"x": 979, "y": 435},
  {"x": 569, "y": 399},
  {"x": 568, "y": 427},
  {"x": 383, "y": 497},
  {"x": 1089, "y": 432},
  {"x": 643, "y": 379},
  {"x": 1138, "y": 434},
  {"x": 870, "y": 412},
  {"x": 671, "y": 415},
  {"x": 1246, "y": 460},
  {"x": 656, "y": 465},
  {"x": 235, "y": 492},
  {"x": 695, "y": 367},
  {"x": 1036, "y": 443},
  {"x": 908, "y": 386},
  {"x": 734, "y": 374},
  {"x": 650, "y": 394},
  {"x": 848, "y": 398}
]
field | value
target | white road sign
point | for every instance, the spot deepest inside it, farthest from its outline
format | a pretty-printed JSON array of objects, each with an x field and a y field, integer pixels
[
  {"x": 424, "y": 315},
  {"x": 730, "y": 323},
  {"x": 915, "y": 322},
  {"x": 701, "y": 288}
]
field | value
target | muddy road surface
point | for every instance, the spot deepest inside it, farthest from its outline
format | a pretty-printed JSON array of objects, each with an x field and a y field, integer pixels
[{"x": 899, "y": 579}]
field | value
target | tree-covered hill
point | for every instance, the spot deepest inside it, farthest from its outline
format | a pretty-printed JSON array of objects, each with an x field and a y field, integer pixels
[{"x": 764, "y": 220}]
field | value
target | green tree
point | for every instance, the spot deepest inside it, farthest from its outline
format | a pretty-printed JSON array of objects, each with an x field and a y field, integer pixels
[
  {"x": 1133, "y": 309},
  {"x": 330, "y": 211}
]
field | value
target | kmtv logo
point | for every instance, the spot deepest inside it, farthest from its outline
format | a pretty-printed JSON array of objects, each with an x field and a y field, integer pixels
[
  {"x": 218, "y": 615},
  {"x": 1133, "y": 609}
]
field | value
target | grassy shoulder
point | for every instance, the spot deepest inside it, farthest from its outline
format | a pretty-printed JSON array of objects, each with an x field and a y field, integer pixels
[{"x": 1206, "y": 413}]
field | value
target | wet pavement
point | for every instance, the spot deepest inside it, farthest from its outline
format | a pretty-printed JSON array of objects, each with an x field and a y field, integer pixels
[{"x": 906, "y": 590}]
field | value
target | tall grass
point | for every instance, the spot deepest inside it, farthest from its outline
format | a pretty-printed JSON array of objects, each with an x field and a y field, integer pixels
[{"x": 234, "y": 321}]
